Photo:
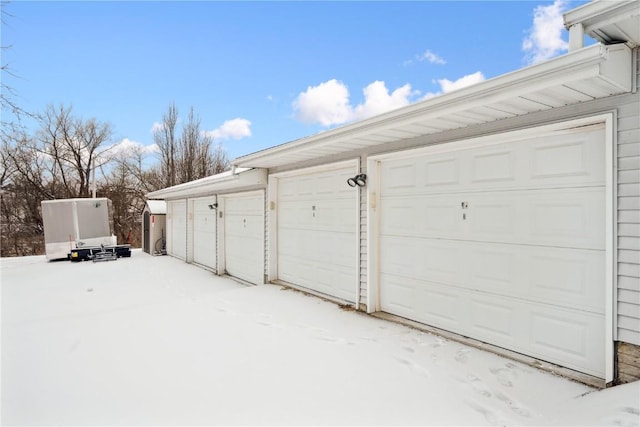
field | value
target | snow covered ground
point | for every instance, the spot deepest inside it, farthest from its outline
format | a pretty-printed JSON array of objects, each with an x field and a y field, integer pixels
[{"x": 155, "y": 341}]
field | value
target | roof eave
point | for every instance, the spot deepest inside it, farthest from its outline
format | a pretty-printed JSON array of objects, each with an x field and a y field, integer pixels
[
  {"x": 590, "y": 62},
  {"x": 220, "y": 182}
]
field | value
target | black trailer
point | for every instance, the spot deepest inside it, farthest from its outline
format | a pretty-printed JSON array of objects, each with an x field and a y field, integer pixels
[{"x": 100, "y": 253}]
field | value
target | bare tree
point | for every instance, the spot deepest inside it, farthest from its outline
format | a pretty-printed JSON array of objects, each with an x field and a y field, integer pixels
[
  {"x": 73, "y": 146},
  {"x": 55, "y": 163},
  {"x": 8, "y": 104},
  {"x": 165, "y": 138},
  {"x": 191, "y": 155}
]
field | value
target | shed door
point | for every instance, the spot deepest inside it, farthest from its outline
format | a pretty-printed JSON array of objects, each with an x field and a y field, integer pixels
[
  {"x": 204, "y": 231},
  {"x": 503, "y": 243},
  {"x": 178, "y": 243},
  {"x": 317, "y": 231},
  {"x": 146, "y": 225},
  {"x": 244, "y": 236}
]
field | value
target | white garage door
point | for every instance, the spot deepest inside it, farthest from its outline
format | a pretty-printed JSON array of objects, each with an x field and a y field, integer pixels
[
  {"x": 244, "y": 236},
  {"x": 178, "y": 240},
  {"x": 317, "y": 226},
  {"x": 204, "y": 232},
  {"x": 504, "y": 243}
]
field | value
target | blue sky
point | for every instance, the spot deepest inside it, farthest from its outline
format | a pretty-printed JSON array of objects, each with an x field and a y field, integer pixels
[{"x": 263, "y": 73}]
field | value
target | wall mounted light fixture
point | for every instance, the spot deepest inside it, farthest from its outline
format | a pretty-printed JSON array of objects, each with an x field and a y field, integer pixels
[
  {"x": 359, "y": 180},
  {"x": 213, "y": 206}
]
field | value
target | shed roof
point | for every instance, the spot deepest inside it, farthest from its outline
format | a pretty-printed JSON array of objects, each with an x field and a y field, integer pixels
[
  {"x": 590, "y": 73},
  {"x": 237, "y": 179},
  {"x": 157, "y": 207}
]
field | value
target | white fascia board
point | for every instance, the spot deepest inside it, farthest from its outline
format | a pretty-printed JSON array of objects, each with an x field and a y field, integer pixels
[
  {"x": 610, "y": 63},
  {"x": 221, "y": 182}
]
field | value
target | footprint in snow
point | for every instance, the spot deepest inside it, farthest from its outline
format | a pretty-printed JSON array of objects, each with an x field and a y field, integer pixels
[
  {"x": 491, "y": 417},
  {"x": 414, "y": 366},
  {"x": 462, "y": 356},
  {"x": 335, "y": 340},
  {"x": 478, "y": 386},
  {"x": 514, "y": 406},
  {"x": 506, "y": 377}
]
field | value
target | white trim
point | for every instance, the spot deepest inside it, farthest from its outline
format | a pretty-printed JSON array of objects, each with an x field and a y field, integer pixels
[
  {"x": 315, "y": 169},
  {"x": 358, "y": 238},
  {"x": 608, "y": 120},
  {"x": 272, "y": 212},
  {"x": 610, "y": 244},
  {"x": 220, "y": 236},
  {"x": 189, "y": 231},
  {"x": 373, "y": 230}
]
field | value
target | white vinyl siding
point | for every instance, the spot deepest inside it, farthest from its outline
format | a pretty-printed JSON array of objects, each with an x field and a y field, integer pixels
[{"x": 628, "y": 220}]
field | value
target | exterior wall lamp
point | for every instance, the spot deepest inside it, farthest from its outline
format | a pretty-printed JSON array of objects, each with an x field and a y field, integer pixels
[
  {"x": 359, "y": 180},
  {"x": 213, "y": 206}
]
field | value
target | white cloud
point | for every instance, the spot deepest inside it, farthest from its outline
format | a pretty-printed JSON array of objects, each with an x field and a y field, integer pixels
[
  {"x": 431, "y": 57},
  {"x": 377, "y": 100},
  {"x": 127, "y": 147},
  {"x": 237, "y": 128},
  {"x": 544, "y": 39},
  {"x": 427, "y": 56},
  {"x": 447, "y": 85},
  {"x": 329, "y": 104}
]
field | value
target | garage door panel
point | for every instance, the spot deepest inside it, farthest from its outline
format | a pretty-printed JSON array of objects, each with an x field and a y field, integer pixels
[
  {"x": 493, "y": 319},
  {"x": 575, "y": 340},
  {"x": 575, "y": 159},
  {"x": 318, "y": 186},
  {"x": 334, "y": 250},
  {"x": 554, "y": 217},
  {"x": 544, "y": 331},
  {"x": 442, "y": 171},
  {"x": 429, "y": 303},
  {"x": 335, "y": 280},
  {"x": 553, "y": 161},
  {"x": 493, "y": 166},
  {"x": 564, "y": 277}
]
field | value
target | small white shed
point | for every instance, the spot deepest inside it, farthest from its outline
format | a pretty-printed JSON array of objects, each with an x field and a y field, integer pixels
[{"x": 154, "y": 230}]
